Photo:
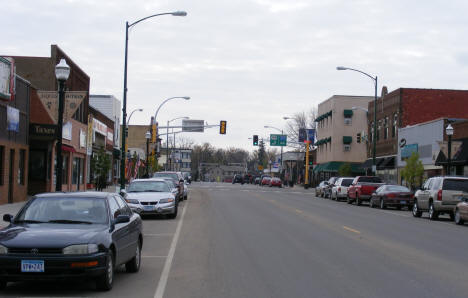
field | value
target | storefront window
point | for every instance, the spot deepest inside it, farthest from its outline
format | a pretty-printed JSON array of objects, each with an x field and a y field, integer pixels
[{"x": 77, "y": 170}]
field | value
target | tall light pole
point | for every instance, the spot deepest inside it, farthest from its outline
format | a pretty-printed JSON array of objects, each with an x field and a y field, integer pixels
[
  {"x": 167, "y": 127},
  {"x": 281, "y": 163},
  {"x": 124, "y": 106},
  {"x": 62, "y": 71},
  {"x": 147, "y": 137},
  {"x": 374, "y": 141},
  {"x": 449, "y": 132}
]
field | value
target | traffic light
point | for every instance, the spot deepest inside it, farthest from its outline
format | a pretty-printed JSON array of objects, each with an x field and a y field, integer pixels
[
  {"x": 222, "y": 127},
  {"x": 358, "y": 137},
  {"x": 126, "y": 131},
  {"x": 311, "y": 161},
  {"x": 154, "y": 132},
  {"x": 255, "y": 140}
]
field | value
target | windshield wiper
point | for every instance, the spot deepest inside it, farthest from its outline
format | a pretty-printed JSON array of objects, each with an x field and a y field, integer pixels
[
  {"x": 28, "y": 221},
  {"x": 69, "y": 221}
]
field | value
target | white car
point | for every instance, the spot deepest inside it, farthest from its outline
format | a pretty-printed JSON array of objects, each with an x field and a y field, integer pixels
[
  {"x": 151, "y": 196},
  {"x": 340, "y": 189}
]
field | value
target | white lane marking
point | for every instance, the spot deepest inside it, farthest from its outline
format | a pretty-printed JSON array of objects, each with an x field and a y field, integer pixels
[
  {"x": 170, "y": 257},
  {"x": 156, "y": 235}
]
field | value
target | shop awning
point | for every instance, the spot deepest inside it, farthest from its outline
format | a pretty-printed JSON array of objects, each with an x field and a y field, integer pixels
[
  {"x": 334, "y": 166},
  {"x": 348, "y": 113},
  {"x": 368, "y": 163},
  {"x": 347, "y": 139},
  {"x": 68, "y": 148}
]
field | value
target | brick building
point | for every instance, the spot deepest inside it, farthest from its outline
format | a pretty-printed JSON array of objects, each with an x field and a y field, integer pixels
[{"x": 403, "y": 107}]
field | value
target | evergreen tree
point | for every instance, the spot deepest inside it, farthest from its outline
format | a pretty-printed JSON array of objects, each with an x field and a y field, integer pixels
[{"x": 262, "y": 156}]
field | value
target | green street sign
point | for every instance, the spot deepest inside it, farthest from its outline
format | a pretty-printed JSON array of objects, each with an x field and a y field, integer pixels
[{"x": 278, "y": 140}]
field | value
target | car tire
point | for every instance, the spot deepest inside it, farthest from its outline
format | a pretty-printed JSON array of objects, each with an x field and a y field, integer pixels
[
  {"x": 371, "y": 203},
  {"x": 452, "y": 216},
  {"x": 433, "y": 214},
  {"x": 133, "y": 265},
  {"x": 358, "y": 200},
  {"x": 416, "y": 211},
  {"x": 457, "y": 218},
  {"x": 174, "y": 215},
  {"x": 105, "y": 281},
  {"x": 382, "y": 204}
]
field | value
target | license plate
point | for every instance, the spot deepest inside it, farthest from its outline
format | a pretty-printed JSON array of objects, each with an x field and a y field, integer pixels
[
  {"x": 402, "y": 202},
  {"x": 148, "y": 208},
  {"x": 32, "y": 266}
]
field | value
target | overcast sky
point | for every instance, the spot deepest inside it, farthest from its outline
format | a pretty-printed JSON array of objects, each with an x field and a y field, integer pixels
[{"x": 249, "y": 62}]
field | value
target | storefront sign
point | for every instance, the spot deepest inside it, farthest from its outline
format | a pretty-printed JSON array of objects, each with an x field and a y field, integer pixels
[
  {"x": 67, "y": 131},
  {"x": 73, "y": 100},
  {"x": 12, "y": 119},
  {"x": 48, "y": 131},
  {"x": 89, "y": 141},
  {"x": 407, "y": 150},
  {"x": 7, "y": 78},
  {"x": 100, "y": 127}
]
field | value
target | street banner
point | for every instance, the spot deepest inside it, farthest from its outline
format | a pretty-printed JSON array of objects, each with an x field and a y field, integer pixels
[
  {"x": 89, "y": 137},
  {"x": 73, "y": 100},
  {"x": 12, "y": 119},
  {"x": 311, "y": 136},
  {"x": 302, "y": 135}
]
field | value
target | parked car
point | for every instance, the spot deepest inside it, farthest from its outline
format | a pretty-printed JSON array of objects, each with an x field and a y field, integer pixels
[
  {"x": 176, "y": 176},
  {"x": 265, "y": 180},
  {"x": 275, "y": 181},
  {"x": 440, "y": 195},
  {"x": 340, "y": 189},
  {"x": 238, "y": 179},
  {"x": 391, "y": 196},
  {"x": 319, "y": 189},
  {"x": 151, "y": 196},
  {"x": 257, "y": 180},
  {"x": 76, "y": 235},
  {"x": 328, "y": 188},
  {"x": 174, "y": 186},
  {"x": 461, "y": 211},
  {"x": 362, "y": 188}
]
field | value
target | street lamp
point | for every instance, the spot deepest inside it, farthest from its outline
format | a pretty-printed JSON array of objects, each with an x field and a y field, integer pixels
[
  {"x": 124, "y": 106},
  {"x": 148, "y": 137},
  {"x": 449, "y": 132},
  {"x": 374, "y": 143},
  {"x": 62, "y": 71},
  {"x": 167, "y": 131},
  {"x": 281, "y": 164},
  {"x": 129, "y": 117}
]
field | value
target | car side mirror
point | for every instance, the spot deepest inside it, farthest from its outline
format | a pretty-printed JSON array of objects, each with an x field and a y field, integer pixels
[
  {"x": 122, "y": 219},
  {"x": 123, "y": 192},
  {"x": 8, "y": 218}
]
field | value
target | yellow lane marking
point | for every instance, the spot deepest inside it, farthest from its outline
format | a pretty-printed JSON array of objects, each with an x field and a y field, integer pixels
[
  {"x": 351, "y": 230},
  {"x": 299, "y": 211}
]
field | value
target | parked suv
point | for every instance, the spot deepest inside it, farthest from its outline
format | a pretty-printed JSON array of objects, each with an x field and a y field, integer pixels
[
  {"x": 440, "y": 195},
  {"x": 340, "y": 189}
]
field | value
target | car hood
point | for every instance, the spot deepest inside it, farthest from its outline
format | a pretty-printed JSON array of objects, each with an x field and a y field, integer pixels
[
  {"x": 149, "y": 196},
  {"x": 50, "y": 234}
]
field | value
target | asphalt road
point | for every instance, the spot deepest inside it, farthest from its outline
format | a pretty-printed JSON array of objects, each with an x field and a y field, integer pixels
[{"x": 249, "y": 241}]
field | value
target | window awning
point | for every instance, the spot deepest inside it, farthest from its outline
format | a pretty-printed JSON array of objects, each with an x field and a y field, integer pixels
[
  {"x": 348, "y": 113},
  {"x": 347, "y": 139},
  {"x": 68, "y": 148}
]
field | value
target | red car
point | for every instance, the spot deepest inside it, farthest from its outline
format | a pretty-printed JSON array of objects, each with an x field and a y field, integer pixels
[
  {"x": 392, "y": 196},
  {"x": 275, "y": 182},
  {"x": 265, "y": 181}
]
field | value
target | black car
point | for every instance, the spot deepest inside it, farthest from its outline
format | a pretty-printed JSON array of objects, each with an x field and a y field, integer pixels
[
  {"x": 238, "y": 179},
  {"x": 80, "y": 235}
]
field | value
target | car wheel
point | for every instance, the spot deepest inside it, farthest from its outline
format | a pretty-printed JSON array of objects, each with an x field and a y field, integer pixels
[
  {"x": 133, "y": 265},
  {"x": 458, "y": 219},
  {"x": 416, "y": 212},
  {"x": 358, "y": 200},
  {"x": 433, "y": 215},
  {"x": 382, "y": 204},
  {"x": 174, "y": 215},
  {"x": 105, "y": 281},
  {"x": 452, "y": 216},
  {"x": 371, "y": 203}
]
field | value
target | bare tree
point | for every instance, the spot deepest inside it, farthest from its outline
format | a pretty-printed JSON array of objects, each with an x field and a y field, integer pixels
[{"x": 300, "y": 120}]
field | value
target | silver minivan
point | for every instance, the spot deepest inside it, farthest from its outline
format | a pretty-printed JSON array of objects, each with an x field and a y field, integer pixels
[{"x": 440, "y": 195}]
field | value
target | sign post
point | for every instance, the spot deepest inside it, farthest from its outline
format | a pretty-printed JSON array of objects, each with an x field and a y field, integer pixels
[{"x": 306, "y": 176}]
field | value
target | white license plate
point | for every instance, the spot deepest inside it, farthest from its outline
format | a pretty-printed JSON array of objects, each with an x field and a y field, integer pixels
[
  {"x": 148, "y": 208},
  {"x": 32, "y": 266},
  {"x": 402, "y": 202}
]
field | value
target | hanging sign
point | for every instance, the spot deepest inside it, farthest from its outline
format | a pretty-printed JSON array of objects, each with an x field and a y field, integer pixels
[{"x": 73, "y": 100}]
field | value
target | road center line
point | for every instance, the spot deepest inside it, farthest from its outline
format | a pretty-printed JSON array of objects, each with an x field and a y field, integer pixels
[
  {"x": 351, "y": 230},
  {"x": 170, "y": 257}
]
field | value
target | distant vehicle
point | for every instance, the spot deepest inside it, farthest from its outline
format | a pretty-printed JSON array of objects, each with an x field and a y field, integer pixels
[
  {"x": 76, "y": 235},
  {"x": 328, "y": 188},
  {"x": 461, "y": 211},
  {"x": 391, "y": 196},
  {"x": 265, "y": 180},
  {"x": 440, "y": 195},
  {"x": 187, "y": 177},
  {"x": 174, "y": 175},
  {"x": 340, "y": 188},
  {"x": 238, "y": 179},
  {"x": 275, "y": 181},
  {"x": 247, "y": 178},
  {"x": 319, "y": 189},
  {"x": 151, "y": 196},
  {"x": 362, "y": 188},
  {"x": 257, "y": 180}
]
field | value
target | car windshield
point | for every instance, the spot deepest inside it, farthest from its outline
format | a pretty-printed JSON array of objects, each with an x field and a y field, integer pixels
[
  {"x": 347, "y": 182},
  {"x": 370, "y": 179},
  {"x": 64, "y": 210},
  {"x": 148, "y": 186},
  {"x": 455, "y": 184},
  {"x": 170, "y": 175},
  {"x": 397, "y": 188}
]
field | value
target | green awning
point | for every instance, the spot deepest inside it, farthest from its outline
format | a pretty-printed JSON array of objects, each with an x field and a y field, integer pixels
[
  {"x": 317, "y": 168},
  {"x": 333, "y": 166},
  {"x": 348, "y": 113},
  {"x": 347, "y": 139},
  {"x": 329, "y": 114}
]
